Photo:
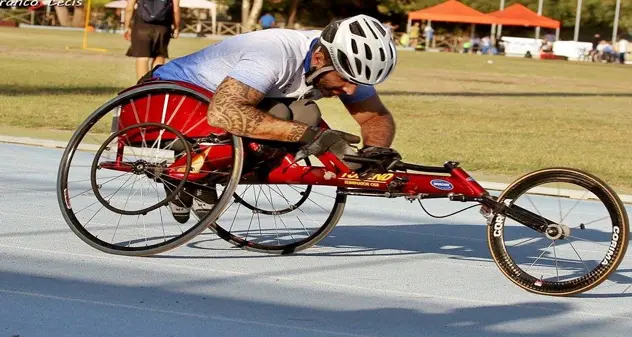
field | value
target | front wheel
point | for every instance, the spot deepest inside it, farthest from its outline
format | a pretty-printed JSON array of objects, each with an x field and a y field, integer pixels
[{"x": 584, "y": 243}]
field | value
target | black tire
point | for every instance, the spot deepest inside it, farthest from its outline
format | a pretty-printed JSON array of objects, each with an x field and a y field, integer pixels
[
  {"x": 72, "y": 148},
  {"x": 616, "y": 251}
]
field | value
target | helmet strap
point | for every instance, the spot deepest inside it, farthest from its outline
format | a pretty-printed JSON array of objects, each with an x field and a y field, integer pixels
[{"x": 311, "y": 75}]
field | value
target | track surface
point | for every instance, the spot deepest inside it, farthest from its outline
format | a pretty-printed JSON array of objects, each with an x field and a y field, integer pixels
[{"x": 387, "y": 269}]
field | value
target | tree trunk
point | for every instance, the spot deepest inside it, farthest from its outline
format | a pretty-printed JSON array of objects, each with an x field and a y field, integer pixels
[
  {"x": 62, "y": 16},
  {"x": 245, "y": 10},
  {"x": 292, "y": 16},
  {"x": 79, "y": 17},
  {"x": 255, "y": 12}
]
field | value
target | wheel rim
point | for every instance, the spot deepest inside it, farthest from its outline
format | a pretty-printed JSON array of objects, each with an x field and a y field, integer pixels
[
  {"x": 576, "y": 253},
  {"x": 151, "y": 227}
]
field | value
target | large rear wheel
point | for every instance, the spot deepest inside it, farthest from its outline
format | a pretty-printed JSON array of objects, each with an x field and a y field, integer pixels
[{"x": 118, "y": 185}]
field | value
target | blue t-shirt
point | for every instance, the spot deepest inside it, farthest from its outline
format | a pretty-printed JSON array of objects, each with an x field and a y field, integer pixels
[
  {"x": 271, "y": 61},
  {"x": 267, "y": 21}
]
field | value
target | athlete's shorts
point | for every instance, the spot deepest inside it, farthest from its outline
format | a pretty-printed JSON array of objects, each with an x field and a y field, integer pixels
[{"x": 150, "y": 41}]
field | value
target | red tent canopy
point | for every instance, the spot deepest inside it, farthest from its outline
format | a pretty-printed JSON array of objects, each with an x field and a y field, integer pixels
[
  {"x": 451, "y": 11},
  {"x": 519, "y": 15}
]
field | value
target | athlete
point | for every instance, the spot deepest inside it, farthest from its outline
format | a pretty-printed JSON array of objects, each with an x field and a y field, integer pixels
[{"x": 265, "y": 84}]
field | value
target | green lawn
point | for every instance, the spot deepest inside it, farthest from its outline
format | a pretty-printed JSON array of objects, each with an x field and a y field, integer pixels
[{"x": 500, "y": 119}]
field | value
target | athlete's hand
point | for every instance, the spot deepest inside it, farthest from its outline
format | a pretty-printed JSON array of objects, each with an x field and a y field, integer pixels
[
  {"x": 128, "y": 34},
  {"x": 176, "y": 33},
  {"x": 386, "y": 157},
  {"x": 318, "y": 141}
]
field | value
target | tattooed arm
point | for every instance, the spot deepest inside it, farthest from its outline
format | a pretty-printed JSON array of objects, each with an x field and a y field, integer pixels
[
  {"x": 376, "y": 122},
  {"x": 233, "y": 108}
]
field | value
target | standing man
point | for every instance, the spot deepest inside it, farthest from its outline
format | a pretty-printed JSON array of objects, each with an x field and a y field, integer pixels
[
  {"x": 623, "y": 49},
  {"x": 155, "y": 22}
]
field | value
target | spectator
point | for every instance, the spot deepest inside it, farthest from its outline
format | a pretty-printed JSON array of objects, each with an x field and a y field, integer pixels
[
  {"x": 388, "y": 25},
  {"x": 547, "y": 46},
  {"x": 486, "y": 45},
  {"x": 596, "y": 41},
  {"x": 466, "y": 46},
  {"x": 267, "y": 21},
  {"x": 153, "y": 27},
  {"x": 428, "y": 32},
  {"x": 414, "y": 35},
  {"x": 623, "y": 49}
]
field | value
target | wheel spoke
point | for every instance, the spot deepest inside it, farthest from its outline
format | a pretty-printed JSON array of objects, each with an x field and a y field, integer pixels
[{"x": 577, "y": 253}]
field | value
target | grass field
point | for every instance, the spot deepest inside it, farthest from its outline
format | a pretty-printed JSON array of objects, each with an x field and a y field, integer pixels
[{"x": 501, "y": 119}]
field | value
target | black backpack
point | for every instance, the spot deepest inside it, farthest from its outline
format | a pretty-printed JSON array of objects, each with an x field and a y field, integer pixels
[{"x": 155, "y": 11}]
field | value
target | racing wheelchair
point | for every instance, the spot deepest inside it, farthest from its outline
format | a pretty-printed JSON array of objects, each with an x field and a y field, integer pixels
[{"x": 151, "y": 148}]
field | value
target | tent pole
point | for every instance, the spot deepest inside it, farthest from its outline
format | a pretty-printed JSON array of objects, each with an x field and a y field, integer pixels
[
  {"x": 557, "y": 34},
  {"x": 578, "y": 15},
  {"x": 409, "y": 24},
  {"x": 427, "y": 37},
  {"x": 615, "y": 25},
  {"x": 500, "y": 27},
  {"x": 214, "y": 19},
  {"x": 472, "y": 38},
  {"x": 537, "y": 29}
]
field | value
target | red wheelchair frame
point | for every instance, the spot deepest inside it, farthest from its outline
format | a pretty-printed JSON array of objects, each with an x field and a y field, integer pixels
[{"x": 454, "y": 181}]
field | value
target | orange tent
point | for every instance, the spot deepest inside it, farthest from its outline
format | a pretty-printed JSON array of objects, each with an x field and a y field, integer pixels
[
  {"x": 519, "y": 15},
  {"x": 451, "y": 11}
]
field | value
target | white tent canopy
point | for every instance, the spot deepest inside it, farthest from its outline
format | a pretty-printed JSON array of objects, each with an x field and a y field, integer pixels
[{"x": 193, "y": 4}]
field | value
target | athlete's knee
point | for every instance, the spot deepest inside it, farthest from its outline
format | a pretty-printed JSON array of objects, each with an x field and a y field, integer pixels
[
  {"x": 276, "y": 109},
  {"x": 305, "y": 111}
]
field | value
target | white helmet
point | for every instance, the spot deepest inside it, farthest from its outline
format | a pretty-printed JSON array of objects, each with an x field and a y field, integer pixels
[{"x": 361, "y": 49}]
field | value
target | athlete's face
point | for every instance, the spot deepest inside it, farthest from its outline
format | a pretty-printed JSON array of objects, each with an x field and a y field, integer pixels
[{"x": 331, "y": 83}]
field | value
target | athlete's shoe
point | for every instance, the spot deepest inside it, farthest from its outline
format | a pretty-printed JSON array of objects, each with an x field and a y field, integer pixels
[
  {"x": 203, "y": 201},
  {"x": 180, "y": 206}
]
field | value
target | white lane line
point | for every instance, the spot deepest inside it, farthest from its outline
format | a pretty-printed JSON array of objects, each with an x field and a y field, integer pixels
[
  {"x": 335, "y": 286},
  {"x": 173, "y": 312}
]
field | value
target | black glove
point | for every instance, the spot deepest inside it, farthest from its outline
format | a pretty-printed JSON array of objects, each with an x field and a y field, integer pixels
[
  {"x": 318, "y": 141},
  {"x": 386, "y": 157}
]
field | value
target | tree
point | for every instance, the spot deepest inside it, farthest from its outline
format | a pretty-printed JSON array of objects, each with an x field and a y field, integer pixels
[
  {"x": 291, "y": 18},
  {"x": 63, "y": 16},
  {"x": 78, "y": 18},
  {"x": 249, "y": 14}
]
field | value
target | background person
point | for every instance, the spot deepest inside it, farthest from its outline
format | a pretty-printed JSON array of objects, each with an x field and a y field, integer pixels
[
  {"x": 623, "y": 49},
  {"x": 155, "y": 22},
  {"x": 267, "y": 21}
]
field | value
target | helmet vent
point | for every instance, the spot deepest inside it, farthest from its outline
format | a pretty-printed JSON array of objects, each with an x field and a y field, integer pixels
[
  {"x": 371, "y": 29},
  {"x": 329, "y": 33},
  {"x": 382, "y": 56},
  {"x": 368, "y": 73},
  {"x": 356, "y": 29},
  {"x": 344, "y": 62},
  {"x": 379, "y": 73},
  {"x": 367, "y": 52},
  {"x": 358, "y": 65},
  {"x": 380, "y": 28},
  {"x": 354, "y": 46}
]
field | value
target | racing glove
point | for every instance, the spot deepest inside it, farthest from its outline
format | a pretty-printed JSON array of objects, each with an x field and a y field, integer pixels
[
  {"x": 317, "y": 141},
  {"x": 386, "y": 157}
]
